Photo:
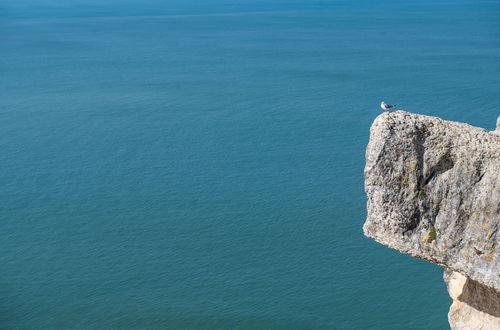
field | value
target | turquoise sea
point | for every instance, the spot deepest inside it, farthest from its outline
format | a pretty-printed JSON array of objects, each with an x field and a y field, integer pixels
[{"x": 199, "y": 164}]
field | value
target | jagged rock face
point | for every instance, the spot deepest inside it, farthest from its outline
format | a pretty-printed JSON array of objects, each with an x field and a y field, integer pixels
[
  {"x": 475, "y": 306},
  {"x": 433, "y": 191}
]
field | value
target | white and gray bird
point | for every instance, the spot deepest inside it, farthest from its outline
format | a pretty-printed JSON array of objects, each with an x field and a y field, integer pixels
[{"x": 385, "y": 106}]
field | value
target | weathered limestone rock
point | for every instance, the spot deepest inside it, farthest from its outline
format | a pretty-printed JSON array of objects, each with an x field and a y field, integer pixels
[
  {"x": 475, "y": 306},
  {"x": 433, "y": 191}
]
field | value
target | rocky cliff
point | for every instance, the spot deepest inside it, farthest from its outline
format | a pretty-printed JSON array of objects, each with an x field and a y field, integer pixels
[{"x": 433, "y": 190}]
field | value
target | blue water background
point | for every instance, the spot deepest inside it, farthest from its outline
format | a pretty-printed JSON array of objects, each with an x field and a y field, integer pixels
[{"x": 196, "y": 164}]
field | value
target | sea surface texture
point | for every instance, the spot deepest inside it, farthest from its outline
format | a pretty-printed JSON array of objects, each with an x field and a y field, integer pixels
[{"x": 199, "y": 164}]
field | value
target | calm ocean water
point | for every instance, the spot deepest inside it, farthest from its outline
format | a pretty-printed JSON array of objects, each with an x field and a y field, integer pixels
[{"x": 197, "y": 164}]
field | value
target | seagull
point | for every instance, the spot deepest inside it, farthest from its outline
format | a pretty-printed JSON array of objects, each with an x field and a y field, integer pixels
[{"x": 386, "y": 107}]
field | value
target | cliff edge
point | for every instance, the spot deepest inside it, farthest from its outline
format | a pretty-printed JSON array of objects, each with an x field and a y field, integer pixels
[{"x": 433, "y": 190}]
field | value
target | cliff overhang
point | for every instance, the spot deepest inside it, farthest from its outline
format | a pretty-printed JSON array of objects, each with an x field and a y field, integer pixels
[{"x": 433, "y": 189}]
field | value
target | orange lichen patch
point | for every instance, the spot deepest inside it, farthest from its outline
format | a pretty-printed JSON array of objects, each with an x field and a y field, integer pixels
[
  {"x": 430, "y": 236},
  {"x": 489, "y": 257},
  {"x": 411, "y": 165}
]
